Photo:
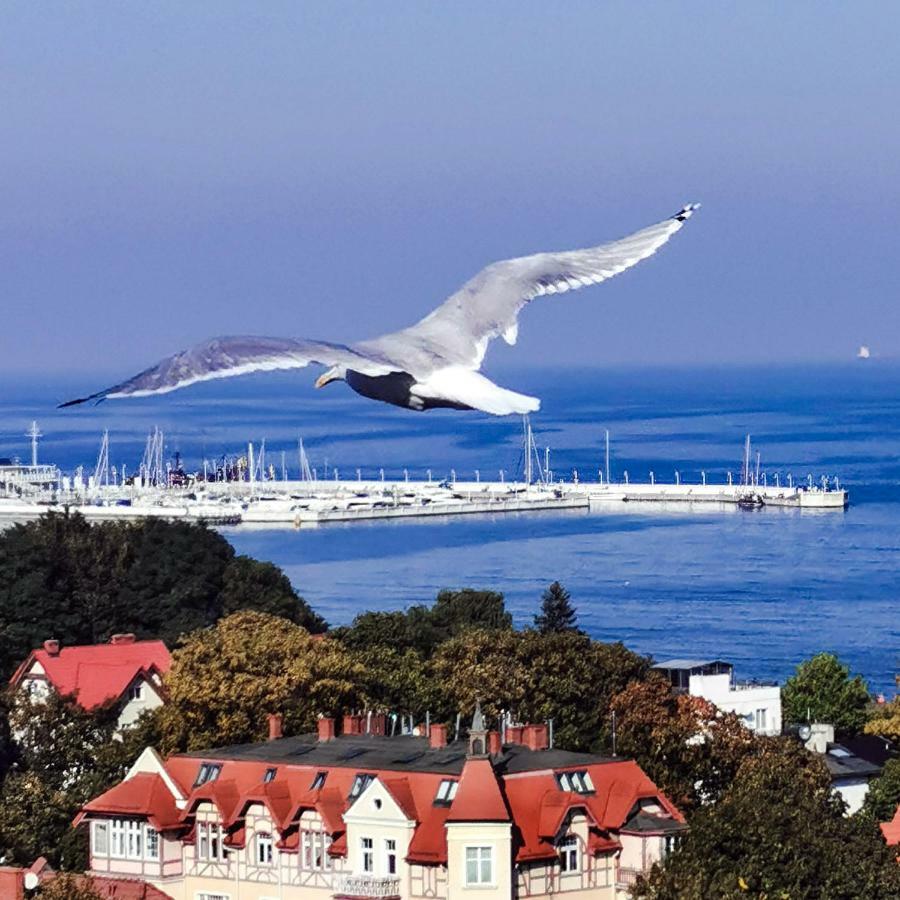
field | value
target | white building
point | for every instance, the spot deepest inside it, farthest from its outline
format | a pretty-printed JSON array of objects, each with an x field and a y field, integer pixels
[{"x": 757, "y": 703}]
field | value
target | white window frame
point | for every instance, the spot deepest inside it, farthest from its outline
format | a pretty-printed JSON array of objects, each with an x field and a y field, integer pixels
[
  {"x": 446, "y": 791},
  {"x": 367, "y": 855},
  {"x": 480, "y": 855},
  {"x": 314, "y": 850},
  {"x": 136, "y": 692},
  {"x": 265, "y": 849},
  {"x": 210, "y": 842},
  {"x": 155, "y": 840},
  {"x": 390, "y": 856},
  {"x": 96, "y": 827},
  {"x": 205, "y": 895},
  {"x": 569, "y": 855},
  {"x": 117, "y": 843}
]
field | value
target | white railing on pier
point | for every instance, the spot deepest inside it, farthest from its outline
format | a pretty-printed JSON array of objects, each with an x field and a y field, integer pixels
[{"x": 367, "y": 886}]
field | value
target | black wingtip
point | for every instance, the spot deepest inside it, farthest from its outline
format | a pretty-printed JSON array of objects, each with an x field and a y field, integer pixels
[
  {"x": 685, "y": 212},
  {"x": 99, "y": 398}
]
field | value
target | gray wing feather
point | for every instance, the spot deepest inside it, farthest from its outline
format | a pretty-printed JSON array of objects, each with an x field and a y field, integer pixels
[
  {"x": 460, "y": 329},
  {"x": 228, "y": 356}
]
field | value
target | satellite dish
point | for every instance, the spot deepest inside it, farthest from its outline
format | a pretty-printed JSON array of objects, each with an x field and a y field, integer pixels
[
  {"x": 805, "y": 732},
  {"x": 31, "y": 881}
]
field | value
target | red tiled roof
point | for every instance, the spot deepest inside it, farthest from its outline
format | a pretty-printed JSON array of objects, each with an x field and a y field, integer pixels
[
  {"x": 97, "y": 673},
  {"x": 478, "y": 797},
  {"x": 127, "y": 889},
  {"x": 530, "y": 800},
  {"x": 144, "y": 794},
  {"x": 891, "y": 830}
]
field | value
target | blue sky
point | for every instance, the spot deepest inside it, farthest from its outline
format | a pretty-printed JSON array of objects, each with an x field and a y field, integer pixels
[{"x": 173, "y": 171}]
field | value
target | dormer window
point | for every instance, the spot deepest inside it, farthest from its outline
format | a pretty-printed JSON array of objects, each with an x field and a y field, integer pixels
[
  {"x": 136, "y": 691},
  {"x": 207, "y": 772},
  {"x": 577, "y": 782},
  {"x": 360, "y": 783},
  {"x": 319, "y": 782},
  {"x": 270, "y": 775},
  {"x": 446, "y": 792}
]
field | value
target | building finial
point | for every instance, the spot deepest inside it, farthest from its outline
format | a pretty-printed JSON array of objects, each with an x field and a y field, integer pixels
[{"x": 477, "y": 733}]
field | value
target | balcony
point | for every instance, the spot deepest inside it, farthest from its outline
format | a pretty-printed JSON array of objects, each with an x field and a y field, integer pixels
[
  {"x": 627, "y": 877},
  {"x": 351, "y": 887}
]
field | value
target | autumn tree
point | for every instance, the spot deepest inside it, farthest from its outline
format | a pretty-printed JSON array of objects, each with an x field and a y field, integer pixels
[
  {"x": 557, "y": 613},
  {"x": 777, "y": 832},
  {"x": 822, "y": 690},
  {"x": 224, "y": 681},
  {"x": 66, "y": 886},
  {"x": 561, "y": 675},
  {"x": 688, "y": 747},
  {"x": 885, "y": 720}
]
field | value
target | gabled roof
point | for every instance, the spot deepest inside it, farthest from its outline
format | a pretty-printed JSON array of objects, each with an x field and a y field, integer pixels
[
  {"x": 478, "y": 797},
  {"x": 145, "y": 794},
  {"x": 97, "y": 673}
]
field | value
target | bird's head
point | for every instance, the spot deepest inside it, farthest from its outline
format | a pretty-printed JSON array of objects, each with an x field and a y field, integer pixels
[{"x": 335, "y": 373}]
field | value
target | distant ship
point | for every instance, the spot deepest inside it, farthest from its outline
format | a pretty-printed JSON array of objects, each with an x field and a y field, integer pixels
[{"x": 863, "y": 352}]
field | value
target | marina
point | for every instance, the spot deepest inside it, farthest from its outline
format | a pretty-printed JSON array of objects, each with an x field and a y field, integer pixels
[{"x": 247, "y": 490}]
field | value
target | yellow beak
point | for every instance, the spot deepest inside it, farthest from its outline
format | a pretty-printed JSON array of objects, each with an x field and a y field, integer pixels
[{"x": 323, "y": 379}]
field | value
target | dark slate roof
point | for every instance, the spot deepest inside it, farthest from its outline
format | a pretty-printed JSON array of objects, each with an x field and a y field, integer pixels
[
  {"x": 844, "y": 764},
  {"x": 401, "y": 753},
  {"x": 872, "y": 747},
  {"x": 648, "y": 822}
]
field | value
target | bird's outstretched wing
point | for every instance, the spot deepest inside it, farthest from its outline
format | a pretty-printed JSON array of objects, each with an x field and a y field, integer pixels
[
  {"x": 460, "y": 329},
  {"x": 228, "y": 356}
]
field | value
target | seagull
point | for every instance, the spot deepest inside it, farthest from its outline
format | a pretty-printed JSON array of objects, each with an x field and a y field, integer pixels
[{"x": 432, "y": 364}]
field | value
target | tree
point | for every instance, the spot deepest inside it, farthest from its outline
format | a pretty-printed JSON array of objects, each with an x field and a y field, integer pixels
[
  {"x": 62, "y": 577},
  {"x": 65, "y": 756},
  {"x": 883, "y": 796},
  {"x": 66, "y": 886},
  {"x": 821, "y": 690},
  {"x": 885, "y": 720},
  {"x": 224, "y": 681},
  {"x": 778, "y": 832},
  {"x": 535, "y": 677},
  {"x": 423, "y": 628},
  {"x": 688, "y": 747},
  {"x": 557, "y": 613}
]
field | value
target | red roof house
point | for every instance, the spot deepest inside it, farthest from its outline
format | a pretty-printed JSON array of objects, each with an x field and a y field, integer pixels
[
  {"x": 315, "y": 810},
  {"x": 124, "y": 670}
]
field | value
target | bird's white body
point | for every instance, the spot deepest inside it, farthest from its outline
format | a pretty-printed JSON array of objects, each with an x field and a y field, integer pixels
[{"x": 434, "y": 363}]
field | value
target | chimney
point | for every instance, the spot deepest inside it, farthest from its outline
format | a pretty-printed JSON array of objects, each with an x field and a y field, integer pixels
[
  {"x": 494, "y": 745},
  {"x": 52, "y": 648},
  {"x": 122, "y": 639},
  {"x": 377, "y": 723},
  {"x": 352, "y": 725},
  {"x": 536, "y": 737},
  {"x": 438, "y": 737},
  {"x": 821, "y": 735},
  {"x": 514, "y": 734},
  {"x": 326, "y": 729},
  {"x": 275, "y": 726}
]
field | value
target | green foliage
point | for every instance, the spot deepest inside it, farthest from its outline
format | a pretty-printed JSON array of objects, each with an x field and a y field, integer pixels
[
  {"x": 688, "y": 747},
  {"x": 557, "y": 612},
  {"x": 423, "y": 628},
  {"x": 65, "y": 757},
  {"x": 821, "y": 690},
  {"x": 883, "y": 796},
  {"x": 562, "y": 675},
  {"x": 778, "y": 832},
  {"x": 61, "y": 577},
  {"x": 224, "y": 681}
]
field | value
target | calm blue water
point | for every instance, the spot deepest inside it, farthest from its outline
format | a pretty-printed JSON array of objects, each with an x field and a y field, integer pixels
[{"x": 764, "y": 589}]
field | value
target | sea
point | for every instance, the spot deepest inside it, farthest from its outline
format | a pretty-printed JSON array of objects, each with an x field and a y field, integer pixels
[{"x": 763, "y": 589}]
